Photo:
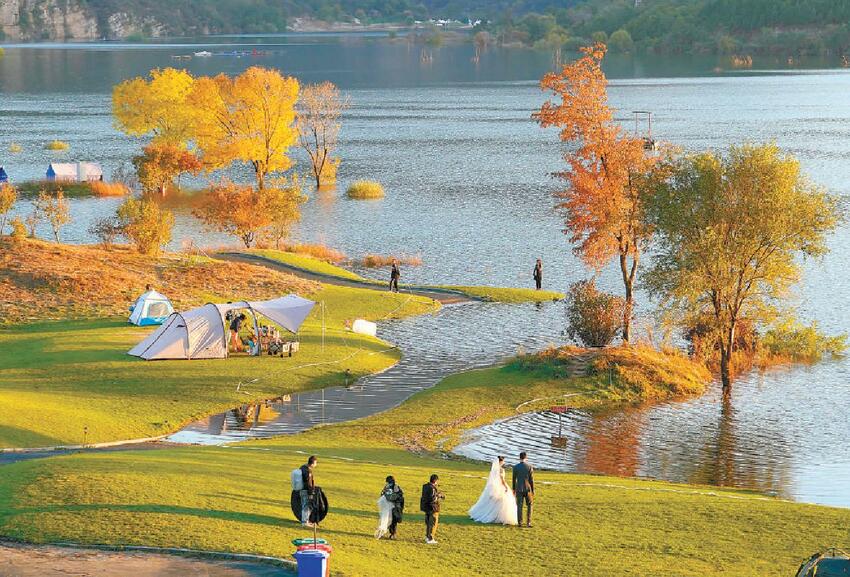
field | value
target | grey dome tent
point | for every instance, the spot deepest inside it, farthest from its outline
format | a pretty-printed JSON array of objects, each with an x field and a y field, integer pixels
[{"x": 201, "y": 333}]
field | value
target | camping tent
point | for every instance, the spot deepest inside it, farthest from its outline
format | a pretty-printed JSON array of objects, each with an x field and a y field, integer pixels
[
  {"x": 201, "y": 333},
  {"x": 151, "y": 308}
]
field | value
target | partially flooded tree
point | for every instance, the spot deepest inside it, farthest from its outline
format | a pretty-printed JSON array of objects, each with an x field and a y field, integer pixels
[
  {"x": 320, "y": 107},
  {"x": 156, "y": 107},
  {"x": 731, "y": 231},
  {"x": 160, "y": 164},
  {"x": 248, "y": 118},
  {"x": 606, "y": 174}
]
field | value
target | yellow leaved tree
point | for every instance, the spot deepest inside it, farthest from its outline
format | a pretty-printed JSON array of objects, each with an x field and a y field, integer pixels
[
  {"x": 156, "y": 107},
  {"x": 248, "y": 118}
]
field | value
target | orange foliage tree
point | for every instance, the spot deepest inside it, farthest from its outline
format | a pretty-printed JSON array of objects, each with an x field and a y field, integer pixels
[
  {"x": 603, "y": 203},
  {"x": 161, "y": 163}
]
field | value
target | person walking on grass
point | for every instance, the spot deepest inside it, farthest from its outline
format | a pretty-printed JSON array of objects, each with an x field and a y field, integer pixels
[
  {"x": 309, "y": 485},
  {"x": 523, "y": 486},
  {"x": 395, "y": 274},
  {"x": 429, "y": 504},
  {"x": 538, "y": 274},
  {"x": 391, "y": 507}
]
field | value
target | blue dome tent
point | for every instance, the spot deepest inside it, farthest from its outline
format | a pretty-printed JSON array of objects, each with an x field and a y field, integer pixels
[{"x": 151, "y": 308}]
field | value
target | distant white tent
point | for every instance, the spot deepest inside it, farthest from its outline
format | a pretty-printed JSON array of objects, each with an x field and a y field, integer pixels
[
  {"x": 151, "y": 308},
  {"x": 201, "y": 333}
]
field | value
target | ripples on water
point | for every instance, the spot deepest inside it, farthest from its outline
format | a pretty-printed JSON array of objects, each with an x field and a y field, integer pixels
[{"x": 468, "y": 189}]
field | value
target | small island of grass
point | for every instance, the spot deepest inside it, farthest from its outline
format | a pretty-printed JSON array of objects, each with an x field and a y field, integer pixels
[{"x": 365, "y": 190}]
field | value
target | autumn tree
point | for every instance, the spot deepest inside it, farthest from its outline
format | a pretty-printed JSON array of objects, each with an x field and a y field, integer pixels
[
  {"x": 161, "y": 163},
  {"x": 145, "y": 224},
  {"x": 249, "y": 214},
  {"x": 731, "y": 231},
  {"x": 157, "y": 107},
  {"x": 318, "y": 122},
  {"x": 8, "y": 197},
  {"x": 248, "y": 118},
  {"x": 606, "y": 172},
  {"x": 54, "y": 209},
  {"x": 283, "y": 200}
]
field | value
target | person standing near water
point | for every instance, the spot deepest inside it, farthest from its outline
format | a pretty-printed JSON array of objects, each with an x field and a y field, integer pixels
[
  {"x": 538, "y": 274},
  {"x": 395, "y": 274}
]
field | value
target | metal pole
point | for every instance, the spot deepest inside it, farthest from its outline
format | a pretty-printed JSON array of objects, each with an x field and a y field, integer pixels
[{"x": 323, "y": 326}]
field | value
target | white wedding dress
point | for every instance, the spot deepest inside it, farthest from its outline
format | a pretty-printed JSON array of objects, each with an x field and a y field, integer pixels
[{"x": 497, "y": 503}]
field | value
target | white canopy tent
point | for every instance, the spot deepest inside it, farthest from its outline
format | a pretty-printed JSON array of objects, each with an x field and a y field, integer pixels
[{"x": 201, "y": 333}]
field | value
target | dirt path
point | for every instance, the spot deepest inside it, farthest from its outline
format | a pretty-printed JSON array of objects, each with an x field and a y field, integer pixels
[
  {"x": 18, "y": 560},
  {"x": 445, "y": 296}
]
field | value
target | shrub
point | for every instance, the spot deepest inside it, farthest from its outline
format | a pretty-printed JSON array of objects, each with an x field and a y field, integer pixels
[
  {"x": 365, "y": 189},
  {"x": 594, "y": 318},
  {"x": 792, "y": 341},
  {"x": 15, "y": 148},
  {"x": 19, "y": 229},
  {"x": 54, "y": 209},
  {"x": 318, "y": 251},
  {"x": 377, "y": 261},
  {"x": 8, "y": 197},
  {"x": 32, "y": 220},
  {"x": 145, "y": 224},
  {"x": 106, "y": 229},
  {"x": 57, "y": 145},
  {"x": 101, "y": 188}
]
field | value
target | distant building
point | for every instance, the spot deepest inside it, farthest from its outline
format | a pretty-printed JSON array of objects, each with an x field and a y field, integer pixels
[{"x": 74, "y": 172}]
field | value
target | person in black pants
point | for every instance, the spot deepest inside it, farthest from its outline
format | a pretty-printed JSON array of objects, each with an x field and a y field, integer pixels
[
  {"x": 538, "y": 274},
  {"x": 393, "y": 493},
  {"x": 395, "y": 274},
  {"x": 429, "y": 503}
]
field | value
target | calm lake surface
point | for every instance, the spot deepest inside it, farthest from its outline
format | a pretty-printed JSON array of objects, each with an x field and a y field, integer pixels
[{"x": 468, "y": 189}]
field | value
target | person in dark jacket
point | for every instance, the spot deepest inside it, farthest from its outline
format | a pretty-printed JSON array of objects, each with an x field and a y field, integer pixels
[
  {"x": 538, "y": 274},
  {"x": 395, "y": 274},
  {"x": 429, "y": 503},
  {"x": 235, "y": 325},
  {"x": 393, "y": 493},
  {"x": 309, "y": 485},
  {"x": 522, "y": 483}
]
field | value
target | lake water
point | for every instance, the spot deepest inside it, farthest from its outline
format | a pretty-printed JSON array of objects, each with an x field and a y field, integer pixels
[{"x": 468, "y": 189}]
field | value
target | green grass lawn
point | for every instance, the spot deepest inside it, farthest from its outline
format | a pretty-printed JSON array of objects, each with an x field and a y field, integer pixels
[
  {"x": 237, "y": 499},
  {"x": 507, "y": 295},
  {"x": 307, "y": 263},
  {"x": 57, "y": 378}
]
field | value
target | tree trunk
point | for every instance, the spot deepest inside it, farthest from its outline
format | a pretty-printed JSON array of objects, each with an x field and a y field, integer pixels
[
  {"x": 726, "y": 359},
  {"x": 628, "y": 282}
]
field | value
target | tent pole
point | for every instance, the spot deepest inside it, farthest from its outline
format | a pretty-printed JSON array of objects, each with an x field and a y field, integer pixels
[{"x": 256, "y": 331}]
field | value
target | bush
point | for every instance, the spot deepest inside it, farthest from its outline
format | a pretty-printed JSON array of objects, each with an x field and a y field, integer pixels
[
  {"x": 317, "y": 251},
  {"x": 15, "y": 148},
  {"x": 792, "y": 341},
  {"x": 145, "y": 224},
  {"x": 377, "y": 261},
  {"x": 19, "y": 229},
  {"x": 106, "y": 229},
  {"x": 8, "y": 197},
  {"x": 594, "y": 318},
  {"x": 101, "y": 188},
  {"x": 365, "y": 189},
  {"x": 57, "y": 145}
]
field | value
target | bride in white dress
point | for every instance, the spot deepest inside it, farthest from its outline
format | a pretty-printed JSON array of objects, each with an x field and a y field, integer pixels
[{"x": 497, "y": 503}]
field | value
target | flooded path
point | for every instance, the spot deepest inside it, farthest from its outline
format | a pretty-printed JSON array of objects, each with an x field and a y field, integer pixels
[{"x": 457, "y": 338}]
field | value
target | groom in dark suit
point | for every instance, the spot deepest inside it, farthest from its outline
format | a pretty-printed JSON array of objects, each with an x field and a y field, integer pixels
[{"x": 522, "y": 481}]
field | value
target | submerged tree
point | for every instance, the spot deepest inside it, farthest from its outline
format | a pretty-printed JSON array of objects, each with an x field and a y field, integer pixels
[
  {"x": 248, "y": 118},
  {"x": 161, "y": 163},
  {"x": 730, "y": 233},
  {"x": 157, "y": 107},
  {"x": 607, "y": 174},
  {"x": 319, "y": 109}
]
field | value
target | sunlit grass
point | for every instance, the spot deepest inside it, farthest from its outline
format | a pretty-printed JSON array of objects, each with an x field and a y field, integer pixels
[
  {"x": 365, "y": 190},
  {"x": 57, "y": 145}
]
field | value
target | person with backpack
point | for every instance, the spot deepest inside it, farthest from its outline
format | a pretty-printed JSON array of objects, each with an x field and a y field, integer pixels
[
  {"x": 429, "y": 503},
  {"x": 391, "y": 507},
  {"x": 304, "y": 485}
]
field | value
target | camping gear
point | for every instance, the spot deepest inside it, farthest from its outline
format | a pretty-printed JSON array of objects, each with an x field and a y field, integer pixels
[
  {"x": 312, "y": 563},
  {"x": 830, "y": 563},
  {"x": 297, "y": 479},
  {"x": 201, "y": 333},
  {"x": 151, "y": 308},
  {"x": 364, "y": 327}
]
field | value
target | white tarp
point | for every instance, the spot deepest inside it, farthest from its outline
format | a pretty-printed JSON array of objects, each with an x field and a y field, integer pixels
[
  {"x": 201, "y": 333},
  {"x": 364, "y": 327}
]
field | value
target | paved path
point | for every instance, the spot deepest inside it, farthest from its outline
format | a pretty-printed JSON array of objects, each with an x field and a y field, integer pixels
[
  {"x": 445, "y": 296},
  {"x": 17, "y": 560}
]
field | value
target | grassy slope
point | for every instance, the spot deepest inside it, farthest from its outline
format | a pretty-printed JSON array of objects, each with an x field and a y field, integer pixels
[
  {"x": 237, "y": 499},
  {"x": 57, "y": 378},
  {"x": 308, "y": 263}
]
